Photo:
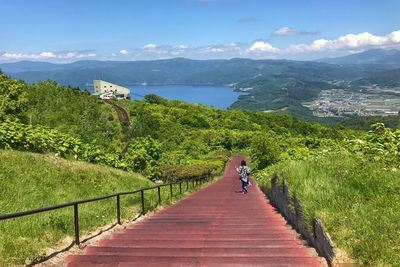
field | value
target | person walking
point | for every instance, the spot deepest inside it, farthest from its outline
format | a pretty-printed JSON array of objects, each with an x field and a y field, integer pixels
[{"x": 244, "y": 173}]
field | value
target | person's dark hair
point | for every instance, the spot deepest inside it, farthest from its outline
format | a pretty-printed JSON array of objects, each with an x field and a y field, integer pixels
[{"x": 243, "y": 163}]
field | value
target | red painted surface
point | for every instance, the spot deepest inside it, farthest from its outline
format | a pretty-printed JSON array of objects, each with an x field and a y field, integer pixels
[{"x": 216, "y": 226}]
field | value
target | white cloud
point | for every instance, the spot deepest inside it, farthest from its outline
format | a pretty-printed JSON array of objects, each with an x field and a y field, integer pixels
[
  {"x": 10, "y": 56},
  {"x": 46, "y": 55},
  {"x": 287, "y": 31},
  {"x": 260, "y": 49},
  {"x": 261, "y": 46},
  {"x": 350, "y": 42},
  {"x": 42, "y": 55},
  {"x": 217, "y": 50},
  {"x": 150, "y": 46},
  {"x": 394, "y": 37}
]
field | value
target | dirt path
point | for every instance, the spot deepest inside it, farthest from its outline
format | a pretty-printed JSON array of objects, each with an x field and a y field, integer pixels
[{"x": 123, "y": 117}]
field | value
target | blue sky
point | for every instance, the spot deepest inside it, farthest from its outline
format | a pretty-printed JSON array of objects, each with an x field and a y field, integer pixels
[{"x": 70, "y": 30}]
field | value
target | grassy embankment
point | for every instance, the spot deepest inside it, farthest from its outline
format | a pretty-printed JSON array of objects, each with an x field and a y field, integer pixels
[
  {"x": 29, "y": 181},
  {"x": 357, "y": 201}
]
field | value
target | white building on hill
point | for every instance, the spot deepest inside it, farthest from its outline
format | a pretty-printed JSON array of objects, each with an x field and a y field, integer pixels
[{"x": 102, "y": 87}]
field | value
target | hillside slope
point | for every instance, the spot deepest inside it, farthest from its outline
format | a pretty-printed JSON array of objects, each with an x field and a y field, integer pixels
[
  {"x": 29, "y": 181},
  {"x": 356, "y": 199},
  {"x": 389, "y": 58}
]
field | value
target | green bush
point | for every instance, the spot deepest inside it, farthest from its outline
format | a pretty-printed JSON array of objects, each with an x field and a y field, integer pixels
[
  {"x": 172, "y": 173},
  {"x": 143, "y": 154},
  {"x": 74, "y": 112},
  {"x": 19, "y": 136},
  {"x": 264, "y": 150},
  {"x": 13, "y": 97}
]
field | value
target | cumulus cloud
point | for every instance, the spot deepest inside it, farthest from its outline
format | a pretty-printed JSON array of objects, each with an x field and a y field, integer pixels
[
  {"x": 124, "y": 52},
  {"x": 149, "y": 46},
  {"x": 261, "y": 46},
  {"x": 46, "y": 55},
  {"x": 42, "y": 55},
  {"x": 350, "y": 42}
]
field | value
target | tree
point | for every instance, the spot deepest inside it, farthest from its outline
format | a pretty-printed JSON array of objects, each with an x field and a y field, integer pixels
[
  {"x": 155, "y": 99},
  {"x": 264, "y": 150},
  {"x": 13, "y": 97}
]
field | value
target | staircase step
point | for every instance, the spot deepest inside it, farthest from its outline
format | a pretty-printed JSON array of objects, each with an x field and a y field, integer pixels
[
  {"x": 209, "y": 231},
  {"x": 118, "y": 260},
  {"x": 199, "y": 243},
  {"x": 197, "y": 252},
  {"x": 193, "y": 236}
]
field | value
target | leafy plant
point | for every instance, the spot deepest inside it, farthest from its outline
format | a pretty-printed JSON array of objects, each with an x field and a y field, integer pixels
[{"x": 13, "y": 97}]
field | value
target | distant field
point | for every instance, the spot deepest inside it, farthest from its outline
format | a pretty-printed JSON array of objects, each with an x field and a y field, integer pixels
[{"x": 371, "y": 102}]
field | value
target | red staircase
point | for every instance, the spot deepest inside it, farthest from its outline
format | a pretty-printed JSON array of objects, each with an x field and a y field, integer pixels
[{"x": 216, "y": 226}]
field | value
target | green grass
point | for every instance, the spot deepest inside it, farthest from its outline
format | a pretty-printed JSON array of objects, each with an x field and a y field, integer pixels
[
  {"x": 358, "y": 203},
  {"x": 29, "y": 181}
]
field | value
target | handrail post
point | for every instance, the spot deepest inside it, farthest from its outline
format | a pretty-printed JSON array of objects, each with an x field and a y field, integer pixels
[
  {"x": 159, "y": 194},
  {"x": 142, "y": 198},
  {"x": 170, "y": 189},
  {"x": 76, "y": 224},
  {"x": 118, "y": 210},
  {"x": 180, "y": 187}
]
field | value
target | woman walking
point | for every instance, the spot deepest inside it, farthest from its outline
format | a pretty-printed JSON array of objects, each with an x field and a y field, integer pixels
[{"x": 244, "y": 173}]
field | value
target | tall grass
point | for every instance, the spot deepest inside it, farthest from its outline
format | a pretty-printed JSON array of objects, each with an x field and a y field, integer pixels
[
  {"x": 29, "y": 181},
  {"x": 358, "y": 202}
]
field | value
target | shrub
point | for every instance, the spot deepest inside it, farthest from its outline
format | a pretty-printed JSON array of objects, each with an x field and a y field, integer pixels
[
  {"x": 13, "y": 97},
  {"x": 264, "y": 150},
  {"x": 171, "y": 173}
]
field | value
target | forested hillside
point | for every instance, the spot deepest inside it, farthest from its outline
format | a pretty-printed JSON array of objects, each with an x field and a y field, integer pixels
[
  {"x": 74, "y": 124},
  {"x": 388, "y": 78},
  {"x": 282, "y": 94}
]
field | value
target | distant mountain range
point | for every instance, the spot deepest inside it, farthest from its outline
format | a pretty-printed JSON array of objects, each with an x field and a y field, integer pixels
[
  {"x": 384, "y": 57},
  {"x": 182, "y": 71}
]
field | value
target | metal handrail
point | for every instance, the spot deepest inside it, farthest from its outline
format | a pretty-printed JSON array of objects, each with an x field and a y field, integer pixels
[{"x": 116, "y": 195}]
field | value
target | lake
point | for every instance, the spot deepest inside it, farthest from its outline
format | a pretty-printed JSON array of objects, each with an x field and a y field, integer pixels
[{"x": 216, "y": 96}]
